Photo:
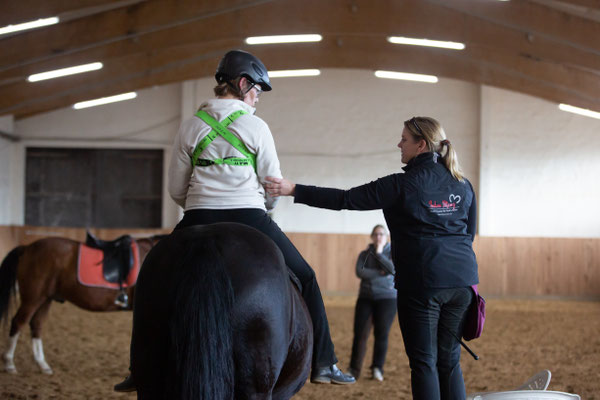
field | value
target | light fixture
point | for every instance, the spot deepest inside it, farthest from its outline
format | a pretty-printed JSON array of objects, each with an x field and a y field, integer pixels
[
  {"x": 426, "y": 42},
  {"x": 105, "y": 100},
  {"x": 580, "y": 111},
  {"x": 406, "y": 76},
  {"x": 294, "y": 72},
  {"x": 284, "y": 39},
  {"x": 57, "y": 73},
  {"x": 29, "y": 25}
]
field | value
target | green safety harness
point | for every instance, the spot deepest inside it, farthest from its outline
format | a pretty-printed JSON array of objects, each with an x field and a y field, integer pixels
[{"x": 220, "y": 128}]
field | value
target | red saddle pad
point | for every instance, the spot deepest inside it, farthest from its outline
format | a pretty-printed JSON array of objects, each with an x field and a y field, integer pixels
[{"x": 89, "y": 268}]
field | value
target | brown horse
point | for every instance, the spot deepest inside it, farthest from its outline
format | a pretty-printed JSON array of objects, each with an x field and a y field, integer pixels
[{"x": 46, "y": 270}]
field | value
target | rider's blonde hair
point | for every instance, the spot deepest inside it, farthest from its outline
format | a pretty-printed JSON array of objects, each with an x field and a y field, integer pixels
[{"x": 432, "y": 132}]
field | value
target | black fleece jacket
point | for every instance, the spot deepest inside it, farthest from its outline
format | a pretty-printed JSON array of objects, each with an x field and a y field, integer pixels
[{"x": 431, "y": 217}]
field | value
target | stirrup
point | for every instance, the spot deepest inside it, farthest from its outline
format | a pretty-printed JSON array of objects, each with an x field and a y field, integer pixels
[{"x": 122, "y": 300}]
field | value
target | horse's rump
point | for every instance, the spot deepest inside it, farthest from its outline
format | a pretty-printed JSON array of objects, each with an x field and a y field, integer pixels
[{"x": 215, "y": 305}]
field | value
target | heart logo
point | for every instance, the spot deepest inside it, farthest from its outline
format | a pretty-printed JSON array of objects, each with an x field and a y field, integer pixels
[{"x": 454, "y": 198}]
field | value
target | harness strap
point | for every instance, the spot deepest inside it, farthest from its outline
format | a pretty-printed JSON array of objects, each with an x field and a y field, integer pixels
[{"x": 220, "y": 128}]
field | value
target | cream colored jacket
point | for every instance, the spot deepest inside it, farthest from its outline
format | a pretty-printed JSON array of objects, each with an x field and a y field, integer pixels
[{"x": 223, "y": 186}]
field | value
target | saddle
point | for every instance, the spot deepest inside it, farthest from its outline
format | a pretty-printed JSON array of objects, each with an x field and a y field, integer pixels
[
  {"x": 117, "y": 256},
  {"x": 295, "y": 280}
]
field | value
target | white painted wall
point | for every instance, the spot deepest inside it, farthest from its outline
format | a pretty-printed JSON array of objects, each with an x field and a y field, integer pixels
[
  {"x": 540, "y": 170},
  {"x": 6, "y": 162},
  {"x": 341, "y": 129},
  {"x": 535, "y": 167},
  {"x": 150, "y": 121}
]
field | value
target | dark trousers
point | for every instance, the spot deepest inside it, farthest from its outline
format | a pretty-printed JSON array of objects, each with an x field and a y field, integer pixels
[
  {"x": 379, "y": 314},
  {"x": 323, "y": 352},
  {"x": 428, "y": 319}
]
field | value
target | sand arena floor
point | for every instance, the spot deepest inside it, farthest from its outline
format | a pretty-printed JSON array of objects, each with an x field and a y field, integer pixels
[{"x": 89, "y": 353}]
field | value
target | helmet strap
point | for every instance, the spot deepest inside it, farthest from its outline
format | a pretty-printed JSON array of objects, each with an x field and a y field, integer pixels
[{"x": 236, "y": 90}]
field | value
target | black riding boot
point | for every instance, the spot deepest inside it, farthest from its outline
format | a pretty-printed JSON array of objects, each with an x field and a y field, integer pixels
[{"x": 128, "y": 385}]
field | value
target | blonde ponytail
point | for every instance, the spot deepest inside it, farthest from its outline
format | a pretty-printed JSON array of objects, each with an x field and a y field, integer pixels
[
  {"x": 432, "y": 132},
  {"x": 450, "y": 160}
]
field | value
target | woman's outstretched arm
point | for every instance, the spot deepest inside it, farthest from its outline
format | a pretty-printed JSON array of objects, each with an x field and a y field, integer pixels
[{"x": 378, "y": 194}]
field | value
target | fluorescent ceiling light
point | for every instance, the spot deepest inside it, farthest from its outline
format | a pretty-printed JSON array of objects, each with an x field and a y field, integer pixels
[
  {"x": 580, "y": 111},
  {"x": 406, "y": 76},
  {"x": 57, "y": 73},
  {"x": 294, "y": 72},
  {"x": 105, "y": 100},
  {"x": 283, "y": 39},
  {"x": 29, "y": 25},
  {"x": 426, "y": 42}
]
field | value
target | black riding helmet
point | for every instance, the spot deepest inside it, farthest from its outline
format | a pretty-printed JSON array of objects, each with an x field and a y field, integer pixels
[{"x": 238, "y": 63}]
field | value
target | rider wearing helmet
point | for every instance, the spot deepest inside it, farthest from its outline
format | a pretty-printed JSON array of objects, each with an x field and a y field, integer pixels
[{"x": 220, "y": 159}]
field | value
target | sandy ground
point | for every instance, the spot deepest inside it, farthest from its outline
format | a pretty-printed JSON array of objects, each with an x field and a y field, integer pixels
[{"x": 89, "y": 353}]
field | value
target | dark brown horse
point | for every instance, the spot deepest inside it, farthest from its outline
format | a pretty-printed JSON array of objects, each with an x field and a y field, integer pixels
[
  {"x": 46, "y": 270},
  {"x": 216, "y": 317}
]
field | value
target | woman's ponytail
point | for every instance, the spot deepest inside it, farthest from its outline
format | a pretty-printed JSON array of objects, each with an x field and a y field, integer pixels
[
  {"x": 450, "y": 160},
  {"x": 432, "y": 132}
]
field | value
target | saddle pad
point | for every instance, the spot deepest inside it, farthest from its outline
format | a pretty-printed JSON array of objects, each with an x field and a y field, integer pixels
[{"x": 89, "y": 268}]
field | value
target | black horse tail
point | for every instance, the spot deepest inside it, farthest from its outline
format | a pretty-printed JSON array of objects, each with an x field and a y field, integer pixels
[
  {"x": 8, "y": 277},
  {"x": 201, "y": 355}
]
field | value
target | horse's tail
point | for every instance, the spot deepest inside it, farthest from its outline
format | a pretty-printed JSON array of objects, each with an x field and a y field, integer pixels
[
  {"x": 201, "y": 354},
  {"x": 8, "y": 277}
]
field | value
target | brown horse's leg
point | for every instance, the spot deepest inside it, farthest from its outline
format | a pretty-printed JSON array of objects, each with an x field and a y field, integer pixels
[
  {"x": 36, "y": 340},
  {"x": 22, "y": 317}
]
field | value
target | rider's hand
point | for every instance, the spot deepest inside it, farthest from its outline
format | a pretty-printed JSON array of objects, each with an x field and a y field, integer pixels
[{"x": 279, "y": 186}]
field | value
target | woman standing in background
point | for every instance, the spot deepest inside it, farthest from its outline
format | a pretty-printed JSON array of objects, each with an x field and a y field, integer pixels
[{"x": 376, "y": 304}]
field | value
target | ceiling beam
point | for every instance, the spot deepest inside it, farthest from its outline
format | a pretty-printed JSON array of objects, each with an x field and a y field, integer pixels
[
  {"x": 115, "y": 26},
  {"x": 153, "y": 44},
  {"x": 329, "y": 54},
  {"x": 533, "y": 19},
  {"x": 593, "y": 4},
  {"x": 16, "y": 11},
  {"x": 123, "y": 26},
  {"x": 580, "y": 82}
]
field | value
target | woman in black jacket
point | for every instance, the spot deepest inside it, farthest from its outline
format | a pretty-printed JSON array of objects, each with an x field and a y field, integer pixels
[{"x": 431, "y": 213}]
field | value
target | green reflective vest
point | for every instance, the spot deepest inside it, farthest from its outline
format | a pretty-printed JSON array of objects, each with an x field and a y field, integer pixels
[{"x": 220, "y": 128}]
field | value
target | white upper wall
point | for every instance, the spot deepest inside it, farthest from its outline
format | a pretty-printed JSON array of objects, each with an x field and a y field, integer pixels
[
  {"x": 341, "y": 129},
  {"x": 540, "y": 168},
  {"x": 536, "y": 172},
  {"x": 148, "y": 121},
  {"x": 6, "y": 162}
]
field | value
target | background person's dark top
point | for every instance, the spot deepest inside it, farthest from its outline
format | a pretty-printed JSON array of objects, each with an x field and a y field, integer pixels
[
  {"x": 369, "y": 266},
  {"x": 431, "y": 216}
]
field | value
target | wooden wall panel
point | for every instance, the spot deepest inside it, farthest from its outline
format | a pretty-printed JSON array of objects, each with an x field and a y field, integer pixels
[
  {"x": 333, "y": 257},
  {"x": 7, "y": 240},
  {"x": 11, "y": 236},
  {"x": 539, "y": 266},
  {"x": 508, "y": 266}
]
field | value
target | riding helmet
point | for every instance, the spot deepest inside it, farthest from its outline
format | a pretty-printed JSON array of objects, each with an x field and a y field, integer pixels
[{"x": 238, "y": 63}]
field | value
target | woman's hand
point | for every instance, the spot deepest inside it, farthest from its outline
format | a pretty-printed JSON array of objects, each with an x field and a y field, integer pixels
[{"x": 279, "y": 186}]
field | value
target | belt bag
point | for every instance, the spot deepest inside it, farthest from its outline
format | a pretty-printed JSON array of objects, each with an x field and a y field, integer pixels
[{"x": 475, "y": 317}]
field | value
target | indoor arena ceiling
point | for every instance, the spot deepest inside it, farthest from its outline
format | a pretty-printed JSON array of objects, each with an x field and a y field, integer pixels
[{"x": 546, "y": 48}]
